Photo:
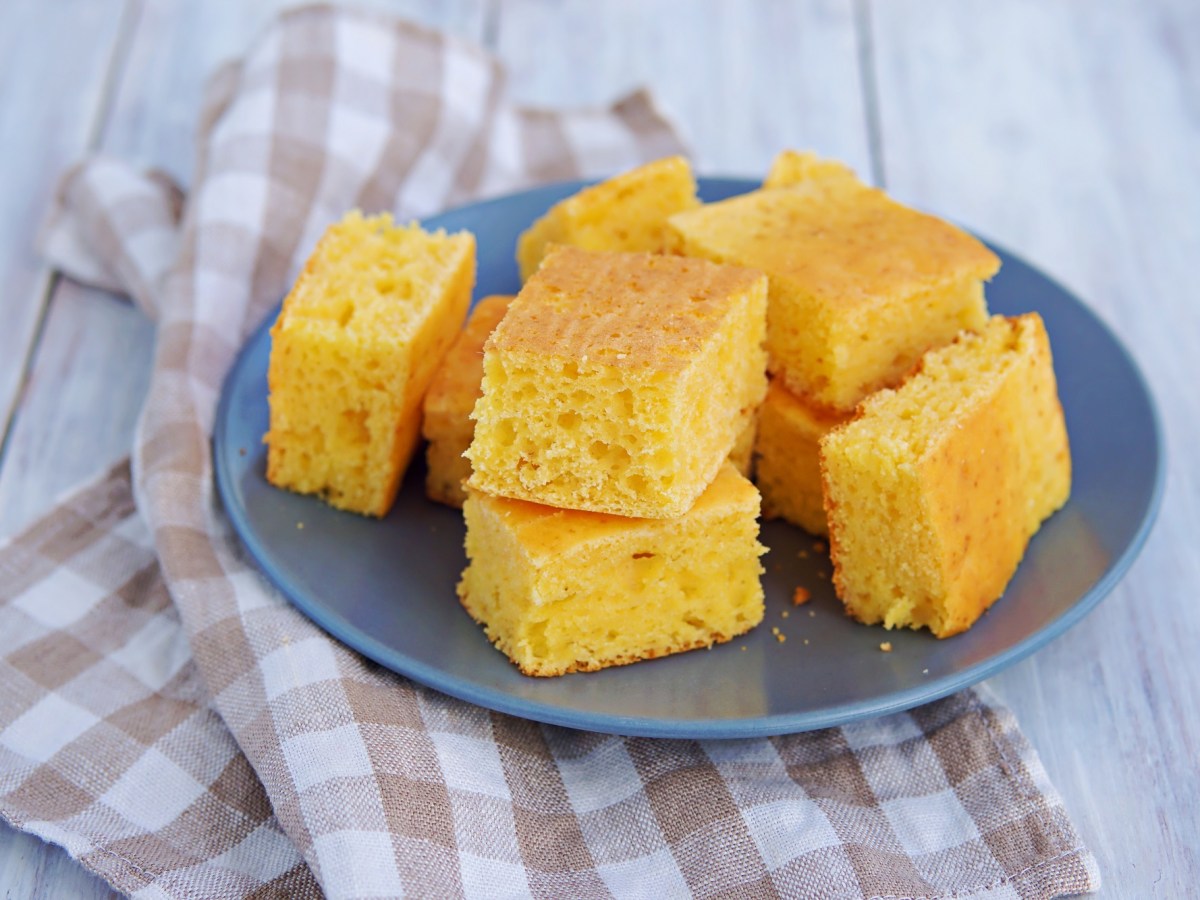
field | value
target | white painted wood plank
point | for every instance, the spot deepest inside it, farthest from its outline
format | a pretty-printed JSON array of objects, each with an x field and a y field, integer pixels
[
  {"x": 742, "y": 81},
  {"x": 30, "y": 868},
  {"x": 81, "y": 404},
  {"x": 1072, "y": 136},
  {"x": 53, "y": 62}
]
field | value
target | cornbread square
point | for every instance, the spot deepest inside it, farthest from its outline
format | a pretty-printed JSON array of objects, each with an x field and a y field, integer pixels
[
  {"x": 787, "y": 458},
  {"x": 627, "y": 212},
  {"x": 563, "y": 591},
  {"x": 861, "y": 286},
  {"x": 353, "y": 351},
  {"x": 742, "y": 454},
  {"x": 934, "y": 490},
  {"x": 793, "y": 167},
  {"x": 619, "y": 382},
  {"x": 447, "y": 424}
]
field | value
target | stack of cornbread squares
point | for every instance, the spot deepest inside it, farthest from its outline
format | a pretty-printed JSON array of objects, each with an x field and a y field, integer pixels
[
  {"x": 597, "y": 428},
  {"x": 605, "y": 524}
]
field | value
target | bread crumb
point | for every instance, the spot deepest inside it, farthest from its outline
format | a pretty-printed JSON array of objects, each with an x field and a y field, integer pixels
[
  {"x": 801, "y": 596},
  {"x": 806, "y": 641},
  {"x": 819, "y": 546},
  {"x": 775, "y": 630},
  {"x": 803, "y": 554},
  {"x": 785, "y": 614},
  {"x": 781, "y": 638},
  {"x": 300, "y": 526},
  {"x": 924, "y": 671},
  {"x": 886, "y": 646},
  {"x": 812, "y": 613},
  {"x": 744, "y": 647}
]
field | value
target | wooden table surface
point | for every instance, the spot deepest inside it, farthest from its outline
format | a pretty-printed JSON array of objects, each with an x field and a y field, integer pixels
[{"x": 1067, "y": 132}]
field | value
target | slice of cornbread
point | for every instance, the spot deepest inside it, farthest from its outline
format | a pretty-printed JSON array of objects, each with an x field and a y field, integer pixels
[
  {"x": 447, "y": 424},
  {"x": 861, "y": 286},
  {"x": 619, "y": 382},
  {"x": 564, "y": 591},
  {"x": 742, "y": 454},
  {"x": 627, "y": 212},
  {"x": 793, "y": 167},
  {"x": 787, "y": 458},
  {"x": 352, "y": 353},
  {"x": 934, "y": 489}
]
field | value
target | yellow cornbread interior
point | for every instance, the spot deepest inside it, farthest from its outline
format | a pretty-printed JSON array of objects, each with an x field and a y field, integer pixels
[
  {"x": 861, "y": 286},
  {"x": 787, "y": 458},
  {"x": 627, "y": 212},
  {"x": 353, "y": 351},
  {"x": 934, "y": 490},
  {"x": 619, "y": 382},
  {"x": 563, "y": 591},
  {"x": 447, "y": 424},
  {"x": 742, "y": 454},
  {"x": 792, "y": 167}
]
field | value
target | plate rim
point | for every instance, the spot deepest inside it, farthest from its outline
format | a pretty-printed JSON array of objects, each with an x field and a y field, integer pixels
[{"x": 691, "y": 728}]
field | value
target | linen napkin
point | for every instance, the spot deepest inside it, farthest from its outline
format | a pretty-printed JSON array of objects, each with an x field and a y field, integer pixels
[{"x": 169, "y": 719}]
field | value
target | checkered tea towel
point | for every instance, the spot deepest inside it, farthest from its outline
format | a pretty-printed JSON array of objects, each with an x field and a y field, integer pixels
[{"x": 182, "y": 731}]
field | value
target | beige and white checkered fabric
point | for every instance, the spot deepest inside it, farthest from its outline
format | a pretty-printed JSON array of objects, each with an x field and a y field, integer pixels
[{"x": 182, "y": 731}]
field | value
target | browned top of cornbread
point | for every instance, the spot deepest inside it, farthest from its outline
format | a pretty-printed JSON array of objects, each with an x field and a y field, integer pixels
[
  {"x": 629, "y": 310},
  {"x": 456, "y": 384},
  {"x": 836, "y": 239},
  {"x": 612, "y": 191}
]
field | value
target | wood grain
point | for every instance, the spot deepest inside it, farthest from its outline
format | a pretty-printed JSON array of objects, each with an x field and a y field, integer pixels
[
  {"x": 741, "y": 84},
  {"x": 1072, "y": 139},
  {"x": 49, "y": 109}
]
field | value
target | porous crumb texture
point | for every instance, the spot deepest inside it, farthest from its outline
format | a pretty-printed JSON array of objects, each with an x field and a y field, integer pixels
[
  {"x": 787, "y": 458},
  {"x": 742, "y": 454},
  {"x": 354, "y": 350},
  {"x": 861, "y": 286},
  {"x": 446, "y": 423},
  {"x": 619, "y": 382},
  {"x": 935, "y": 488},
  {"x": 563, "y": 591},
  {"x": 627, "y": 213}
]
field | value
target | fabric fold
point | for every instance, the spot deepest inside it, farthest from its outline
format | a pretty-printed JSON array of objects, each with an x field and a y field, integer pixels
[{"x": 173, "y": 722}]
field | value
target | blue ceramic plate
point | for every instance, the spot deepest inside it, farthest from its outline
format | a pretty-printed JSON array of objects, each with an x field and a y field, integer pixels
[{"x": 386, "y": 588}]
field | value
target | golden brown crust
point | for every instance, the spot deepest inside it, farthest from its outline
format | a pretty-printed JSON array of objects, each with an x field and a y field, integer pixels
[
  {"x": 627, "y": 310},
  {"x": 841, "y": 241}
]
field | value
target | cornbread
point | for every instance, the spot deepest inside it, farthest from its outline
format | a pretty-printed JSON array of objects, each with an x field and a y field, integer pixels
[
  {"x": 447, "y": 425},
  {"x": 619, "y": 382},
  {"x": 935, "y": 488},
  {"x": 792, "y": 167},
  {"x": 742, "y": 454},
  {"x": 627, "y": 212},
  {"x": 861, "y": 286},
  {"x": 787, "y": 458},
  {"x": 353, "y": 352},
  {"x": 563, "y": 591}
]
